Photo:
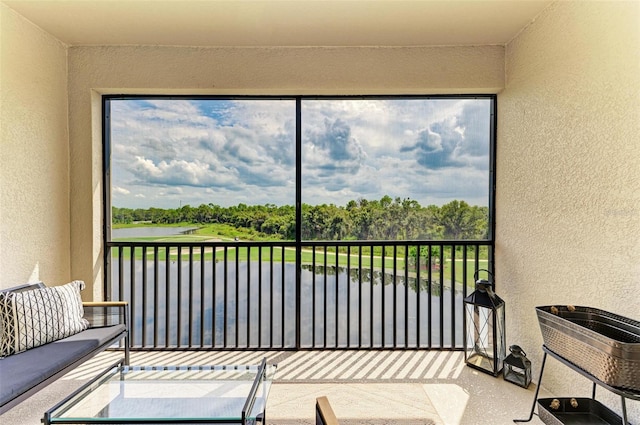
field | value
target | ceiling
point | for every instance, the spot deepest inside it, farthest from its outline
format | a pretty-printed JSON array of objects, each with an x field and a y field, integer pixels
[{"x": 281, "y": 23}]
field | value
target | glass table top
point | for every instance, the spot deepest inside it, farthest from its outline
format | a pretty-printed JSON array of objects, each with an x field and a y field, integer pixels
[{"x": 144, "y": 394}]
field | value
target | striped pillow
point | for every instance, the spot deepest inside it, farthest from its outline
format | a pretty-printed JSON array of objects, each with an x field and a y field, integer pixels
[{"x": 32, "y": 318}]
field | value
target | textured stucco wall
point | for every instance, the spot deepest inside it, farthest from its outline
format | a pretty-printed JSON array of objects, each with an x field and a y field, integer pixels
[
  {"x": 34, "y": 155},
  {"x": 147, "y": 69},
  {"x": 568, "y": 179}
]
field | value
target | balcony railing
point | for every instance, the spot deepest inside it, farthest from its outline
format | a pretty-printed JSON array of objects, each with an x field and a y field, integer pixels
[{"x": 285, "y": 295}]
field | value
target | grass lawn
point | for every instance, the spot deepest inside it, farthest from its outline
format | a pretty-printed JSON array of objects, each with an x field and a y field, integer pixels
[
  {"x": 227, "y": 233},
  {"x": 275, "y": 254}
]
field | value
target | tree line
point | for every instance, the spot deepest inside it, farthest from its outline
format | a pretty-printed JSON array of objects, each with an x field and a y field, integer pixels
[{"x": 362, "y": 219}]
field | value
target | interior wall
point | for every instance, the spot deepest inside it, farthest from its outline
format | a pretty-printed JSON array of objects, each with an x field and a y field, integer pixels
[
  {"x": 568, "y": 173},
  {"x": 149, "y": 69},
  {"x": 34, "y": 172}
]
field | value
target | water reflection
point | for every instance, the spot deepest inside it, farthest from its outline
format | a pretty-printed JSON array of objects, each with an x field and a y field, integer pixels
[{"x": 254, "y": 305}]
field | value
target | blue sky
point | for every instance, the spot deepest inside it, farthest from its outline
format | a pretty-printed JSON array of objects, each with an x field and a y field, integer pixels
[{"x": 167, "y": 153}]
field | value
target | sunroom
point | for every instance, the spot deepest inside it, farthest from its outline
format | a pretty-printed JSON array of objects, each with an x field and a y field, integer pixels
[{"x": 566, "y": 80}]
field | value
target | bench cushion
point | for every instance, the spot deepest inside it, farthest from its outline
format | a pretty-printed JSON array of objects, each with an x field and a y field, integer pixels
[{"x": 23, "y": 371}]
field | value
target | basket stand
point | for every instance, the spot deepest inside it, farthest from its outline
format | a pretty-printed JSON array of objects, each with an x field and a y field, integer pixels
[{"x": 624, "y": 394}]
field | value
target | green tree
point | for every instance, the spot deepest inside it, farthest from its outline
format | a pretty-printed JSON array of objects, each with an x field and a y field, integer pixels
[
  {"x": 460, "y": 221},
  {"x": 361, "y": 219}
]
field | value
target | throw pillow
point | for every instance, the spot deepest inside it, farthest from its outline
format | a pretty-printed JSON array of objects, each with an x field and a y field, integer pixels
[{"x": 32, "y": 318}]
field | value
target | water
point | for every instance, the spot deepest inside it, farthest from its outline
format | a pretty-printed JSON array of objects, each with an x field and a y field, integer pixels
[
  {"x": 149, "y": 231},
  {"x": 232, "y": 308}
]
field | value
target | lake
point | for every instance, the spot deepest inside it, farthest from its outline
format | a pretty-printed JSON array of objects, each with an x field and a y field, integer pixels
[
  {"x": 234, "y": 308},
  {"x": 149, "y": 231},
  {"x": 255, "y": 303}
]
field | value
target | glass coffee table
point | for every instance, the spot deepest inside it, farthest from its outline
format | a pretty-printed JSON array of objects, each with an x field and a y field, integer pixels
[{"x": 169, "y": 395}]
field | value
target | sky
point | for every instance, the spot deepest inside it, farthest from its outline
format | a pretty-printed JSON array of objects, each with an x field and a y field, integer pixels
[{"x": 167, "y": 153}]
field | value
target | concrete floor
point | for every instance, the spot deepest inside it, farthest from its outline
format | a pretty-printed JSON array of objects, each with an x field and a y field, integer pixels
[
  {"x": 368, "y": 388},
  {"x": 470, "y": 399}
]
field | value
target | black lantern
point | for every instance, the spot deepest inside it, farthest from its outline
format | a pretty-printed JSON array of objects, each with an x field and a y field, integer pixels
[
  {"x": 517, "y": 367},
  {"x": 484, "y": 342}
]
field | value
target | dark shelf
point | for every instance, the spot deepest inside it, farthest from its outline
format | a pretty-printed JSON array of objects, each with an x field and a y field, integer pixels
[{"x": 587, "y": 412}]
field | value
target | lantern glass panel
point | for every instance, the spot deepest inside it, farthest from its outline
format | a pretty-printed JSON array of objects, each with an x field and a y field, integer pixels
[
  {"x": 517, "y": 375},
  {"x": 485, "y": 346},
  {"x": 517, "y": 368}
]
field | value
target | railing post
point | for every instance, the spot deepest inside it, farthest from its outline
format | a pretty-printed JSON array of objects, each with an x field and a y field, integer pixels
[{"x": 298, "y": 221}]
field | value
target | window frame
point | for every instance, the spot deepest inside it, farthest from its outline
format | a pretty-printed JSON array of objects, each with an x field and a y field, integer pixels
[{"x": 106, "y": 144}]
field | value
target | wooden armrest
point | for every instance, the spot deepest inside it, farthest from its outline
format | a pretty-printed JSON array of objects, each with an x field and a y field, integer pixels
[
  {"x": 122, "y": 308},
  {"x": 105, "y": 303},
  {"x": 324, "y": 412},
  {"x": 106, "y": 320}
]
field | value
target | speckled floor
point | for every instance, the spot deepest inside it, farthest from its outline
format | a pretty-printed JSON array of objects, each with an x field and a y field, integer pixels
[{"x": 363, "y": 387}]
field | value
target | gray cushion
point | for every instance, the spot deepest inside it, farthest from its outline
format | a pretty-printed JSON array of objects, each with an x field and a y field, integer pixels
[{"x": 20, "y": 372}]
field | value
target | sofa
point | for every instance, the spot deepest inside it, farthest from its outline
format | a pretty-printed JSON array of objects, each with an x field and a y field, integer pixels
[{"x": 27, "y": 364}]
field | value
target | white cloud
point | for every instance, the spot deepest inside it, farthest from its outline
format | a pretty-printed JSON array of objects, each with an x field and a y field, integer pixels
[
  {"x": 116, "y": 190},
  {"x": 182, "y": 151}
]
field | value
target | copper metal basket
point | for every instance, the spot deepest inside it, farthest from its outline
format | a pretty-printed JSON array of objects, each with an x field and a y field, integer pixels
[{"x": 603, "y": 344}]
